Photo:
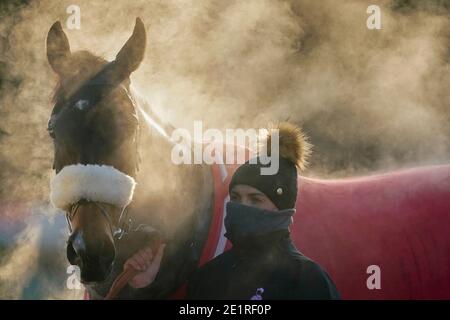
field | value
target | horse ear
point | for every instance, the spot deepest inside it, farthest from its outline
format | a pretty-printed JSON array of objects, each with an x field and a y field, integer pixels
[
  {"x": 132, "y": 53},
  {"x": 58, "y": 48}
]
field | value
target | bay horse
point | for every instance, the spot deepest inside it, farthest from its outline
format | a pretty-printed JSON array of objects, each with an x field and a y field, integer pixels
[
  {"x": 98, "y": 137},
  {"x": 397, "y": 222}
]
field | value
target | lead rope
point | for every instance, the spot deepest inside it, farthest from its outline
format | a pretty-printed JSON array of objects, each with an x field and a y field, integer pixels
[
  {"x": 125, "y": 276},
  {"x": 120, "y": 282}
]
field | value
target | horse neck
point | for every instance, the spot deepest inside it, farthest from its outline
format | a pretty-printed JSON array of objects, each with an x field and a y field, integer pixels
[{"x": 169, "y": 196}]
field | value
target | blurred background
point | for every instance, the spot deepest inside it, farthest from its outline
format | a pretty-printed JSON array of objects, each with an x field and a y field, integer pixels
[{"x": 370, "y": 100}]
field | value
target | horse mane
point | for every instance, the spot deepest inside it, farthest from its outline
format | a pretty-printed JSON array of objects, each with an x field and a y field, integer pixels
[{"x": 153, "y": 120}]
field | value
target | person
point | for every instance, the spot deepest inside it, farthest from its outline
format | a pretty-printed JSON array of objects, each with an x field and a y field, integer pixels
[{"x": 263, "y": 262}]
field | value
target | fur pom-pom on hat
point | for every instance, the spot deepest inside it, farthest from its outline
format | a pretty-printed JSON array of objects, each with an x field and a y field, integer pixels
[{"x": 293, "y": 143}]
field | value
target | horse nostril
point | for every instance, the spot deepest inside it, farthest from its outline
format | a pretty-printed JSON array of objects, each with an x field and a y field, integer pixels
[
  {"x": 75, "y": 248},
  {"x": 71, "y": 254}
]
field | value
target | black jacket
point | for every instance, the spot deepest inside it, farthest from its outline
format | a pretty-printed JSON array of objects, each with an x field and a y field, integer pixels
[{"x": 273, "y": 264}]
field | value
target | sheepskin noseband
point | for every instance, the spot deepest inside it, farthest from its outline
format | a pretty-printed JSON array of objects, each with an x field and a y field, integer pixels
[{"x": 97, "y": 183}]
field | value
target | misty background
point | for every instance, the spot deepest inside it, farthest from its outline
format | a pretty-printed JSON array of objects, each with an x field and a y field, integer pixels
[{"x": 370, "y": 100}]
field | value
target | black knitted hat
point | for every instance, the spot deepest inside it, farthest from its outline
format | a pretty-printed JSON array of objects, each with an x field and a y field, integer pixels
[{"x": 280, "y": 188}]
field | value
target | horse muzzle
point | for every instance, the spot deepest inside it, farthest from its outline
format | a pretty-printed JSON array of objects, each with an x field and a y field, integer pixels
[
  {"x": 95, "y": 260},
  {"x": 93, "y": 190}
]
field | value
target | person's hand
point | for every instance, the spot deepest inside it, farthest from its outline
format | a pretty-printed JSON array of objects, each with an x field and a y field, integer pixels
[{"x": 147, "y": 263}]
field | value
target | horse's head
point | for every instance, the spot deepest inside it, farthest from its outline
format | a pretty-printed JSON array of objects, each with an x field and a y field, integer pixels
[{"x": 93, "y": 123}]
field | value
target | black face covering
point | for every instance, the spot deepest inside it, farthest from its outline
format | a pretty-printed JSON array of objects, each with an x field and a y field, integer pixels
[{"x": 247, "y": 224}]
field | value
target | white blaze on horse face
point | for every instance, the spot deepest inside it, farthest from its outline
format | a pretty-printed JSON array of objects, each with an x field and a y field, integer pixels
[{"x": 81, "y": 104}]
